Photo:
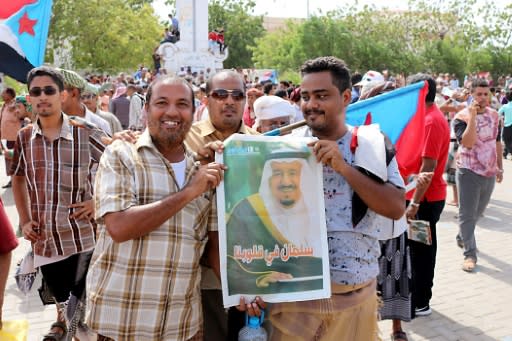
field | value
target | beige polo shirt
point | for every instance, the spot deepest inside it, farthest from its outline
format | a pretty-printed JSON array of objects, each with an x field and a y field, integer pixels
[{"x": 201, "y": 133}]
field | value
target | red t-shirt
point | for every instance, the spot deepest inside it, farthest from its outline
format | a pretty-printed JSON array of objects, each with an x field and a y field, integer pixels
[
  {"x": 8, "y": 241},
  {"x": 212, "y": 36},
  {"x": 437, "y": 142}
]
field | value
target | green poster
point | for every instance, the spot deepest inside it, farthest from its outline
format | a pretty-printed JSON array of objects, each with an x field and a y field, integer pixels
[{"x": 272, "y": 234}]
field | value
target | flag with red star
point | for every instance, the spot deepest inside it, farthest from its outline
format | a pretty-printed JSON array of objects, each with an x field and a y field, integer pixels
[{"x": 24, "y": 28}]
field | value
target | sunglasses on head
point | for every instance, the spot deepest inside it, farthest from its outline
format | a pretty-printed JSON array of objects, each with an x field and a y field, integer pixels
[
  {"x": 37, "y": 91},
  {"x": 221, "y": 94}
]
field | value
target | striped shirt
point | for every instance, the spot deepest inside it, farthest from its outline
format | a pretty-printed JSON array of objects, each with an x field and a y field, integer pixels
[
  {"x": 201, "y": 133},
  {"x": 58, "y": 175},
  {"x": 146, "y": 288}
]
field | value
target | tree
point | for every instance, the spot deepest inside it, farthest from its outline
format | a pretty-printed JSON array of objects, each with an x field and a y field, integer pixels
[
  {"x": 106, "y": 35},
  {"x": 433, "y": 35},
  {"x": 240, "y": 27}
]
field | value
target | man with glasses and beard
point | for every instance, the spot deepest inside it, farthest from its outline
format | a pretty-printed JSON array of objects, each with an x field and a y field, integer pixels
[
  {"x": 225, "y": 102},
  {"x": 53, "y": 194}
]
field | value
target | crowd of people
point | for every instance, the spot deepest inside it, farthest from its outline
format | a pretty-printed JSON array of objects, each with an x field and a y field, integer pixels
[{"x": 114, "y": 182}]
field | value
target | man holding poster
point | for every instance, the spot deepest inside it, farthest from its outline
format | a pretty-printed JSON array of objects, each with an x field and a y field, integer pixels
[
  {"x": 272, "y": 245},
  {"x": 354, "y": 197}
]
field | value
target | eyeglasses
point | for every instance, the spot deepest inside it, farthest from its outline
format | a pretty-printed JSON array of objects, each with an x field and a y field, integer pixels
[
  {"x": 222, "y": 94},
  {"x": 48, "y": 91}
]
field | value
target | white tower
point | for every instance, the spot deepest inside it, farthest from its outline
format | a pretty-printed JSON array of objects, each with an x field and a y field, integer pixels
[{"x": 192, "y": 49}]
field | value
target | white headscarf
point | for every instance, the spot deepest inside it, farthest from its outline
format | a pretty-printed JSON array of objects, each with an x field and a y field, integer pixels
[
  {"x": 297, "y": 223},
  {"x": 270, "y": 107}
]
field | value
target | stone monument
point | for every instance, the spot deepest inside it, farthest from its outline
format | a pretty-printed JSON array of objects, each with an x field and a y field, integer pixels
[{"x": 192, "y": 48}]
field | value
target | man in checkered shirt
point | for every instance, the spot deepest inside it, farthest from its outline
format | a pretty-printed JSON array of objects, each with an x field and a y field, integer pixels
[{"x": 154, "y": 210}]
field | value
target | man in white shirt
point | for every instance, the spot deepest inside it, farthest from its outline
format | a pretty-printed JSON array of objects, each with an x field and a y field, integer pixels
[
  {"x": 74, "y": 85},
  {"x": 136, "y": 107}
]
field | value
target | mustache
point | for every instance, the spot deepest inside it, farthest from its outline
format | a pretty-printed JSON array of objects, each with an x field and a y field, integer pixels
[
  {"x": 286, "y": 187},
  {"x": 314, "y": 111},
  {"x": 228, "y": 107}
]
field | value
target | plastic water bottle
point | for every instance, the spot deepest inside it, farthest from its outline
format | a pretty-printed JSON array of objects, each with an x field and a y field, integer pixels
[{"x": 253, "y": 331}]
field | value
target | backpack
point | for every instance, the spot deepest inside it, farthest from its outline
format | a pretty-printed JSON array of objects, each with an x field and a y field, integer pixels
[{"x": 142, "y": 99}]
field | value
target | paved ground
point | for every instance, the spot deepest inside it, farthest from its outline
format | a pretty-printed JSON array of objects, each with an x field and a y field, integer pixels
[{"x": 466, "y": 307}]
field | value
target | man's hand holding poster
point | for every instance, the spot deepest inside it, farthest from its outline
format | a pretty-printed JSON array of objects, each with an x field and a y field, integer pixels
[{"x": 272, "y": 233}]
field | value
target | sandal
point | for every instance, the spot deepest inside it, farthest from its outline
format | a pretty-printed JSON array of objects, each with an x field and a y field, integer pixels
[
  {"x": 399, "y": 335},
  {"x": 56, "y": 336},
  {"x": 469, "y": 264}
]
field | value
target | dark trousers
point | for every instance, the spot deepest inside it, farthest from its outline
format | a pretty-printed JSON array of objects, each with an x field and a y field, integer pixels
[
  {"x": 423, "y": 257},
  {"x": 507, "y": 138},
  {"x": 219, "y": 325},
  {"x": 67, "y": 276}
]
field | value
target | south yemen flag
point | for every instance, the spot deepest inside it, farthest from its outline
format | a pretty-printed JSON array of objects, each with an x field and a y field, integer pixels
[
  {"x": 23, "y": 33},
  {"x": 401, "y": 115}
]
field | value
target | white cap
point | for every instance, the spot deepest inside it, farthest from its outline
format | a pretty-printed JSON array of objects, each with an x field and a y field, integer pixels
[
  {"x": 370, "y": 76},
  {"x": 270, "y": 107}
]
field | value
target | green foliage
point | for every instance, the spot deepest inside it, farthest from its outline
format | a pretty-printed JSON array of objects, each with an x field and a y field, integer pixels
[
  {"x": 106, "y": 35},
  {"x": 433, "y": 36},
  {"x": 20, "y": 88},
  {"x": 280, "y": 49},
  {"x": 241, "y": 28},
  {"x": 292, "y": 76}
]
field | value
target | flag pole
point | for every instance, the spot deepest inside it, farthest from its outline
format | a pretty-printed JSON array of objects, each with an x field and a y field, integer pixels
[{"x": 285, "y": 129}]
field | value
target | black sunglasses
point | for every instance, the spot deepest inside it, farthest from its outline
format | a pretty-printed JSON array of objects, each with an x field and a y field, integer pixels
[
  {"x": 48, "y": 91},
  {"x": 222, "y": 94}
]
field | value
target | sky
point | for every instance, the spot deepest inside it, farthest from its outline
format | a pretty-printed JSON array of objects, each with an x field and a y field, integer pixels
[{"x": 297, "y": 8}]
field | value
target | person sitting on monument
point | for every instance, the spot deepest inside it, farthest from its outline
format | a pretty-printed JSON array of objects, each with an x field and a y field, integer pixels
[
  {"x": 280, "y": 216},
  {"x": 175, "y": 26},
  {"x": 220, "y": 40},
  {"x": 169, "y": 37},
  {"x": 212, "y": 41}
]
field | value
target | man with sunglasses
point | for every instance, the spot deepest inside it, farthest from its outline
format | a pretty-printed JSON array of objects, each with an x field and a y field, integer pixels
[
  {"x": 53, "y": 194},
  {"x": 225, "y": 101},
  {"x": 89, "y": 98}
]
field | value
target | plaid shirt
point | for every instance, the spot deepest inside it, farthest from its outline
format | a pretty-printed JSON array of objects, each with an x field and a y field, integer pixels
[
  {"x": 58, "y": 174},
  {"x": 146, "y": 288},
  {"x": 201, "y": 133}
]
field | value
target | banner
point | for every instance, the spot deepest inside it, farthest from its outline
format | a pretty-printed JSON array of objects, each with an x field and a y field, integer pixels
[{"x": 272, "y": 231}]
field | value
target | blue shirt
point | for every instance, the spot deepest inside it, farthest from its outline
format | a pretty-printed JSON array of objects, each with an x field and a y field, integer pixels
[{"x": 506, "y": 111}]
